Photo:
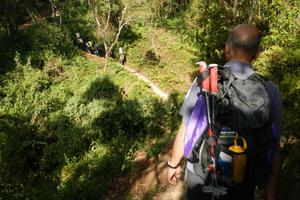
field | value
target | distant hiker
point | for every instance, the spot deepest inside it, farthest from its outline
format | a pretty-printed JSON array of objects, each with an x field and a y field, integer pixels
[
  {"x": 88, "y": 46},
  {"x": 96, "y": 50},
  {"x": 252, "y": 158},
  {"x": 79, "y": 41},
  {"x": 122, "y": 56}
]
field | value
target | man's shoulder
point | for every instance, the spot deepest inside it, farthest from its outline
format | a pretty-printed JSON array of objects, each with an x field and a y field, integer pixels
[
  {"x": 189, "y": 101},
  {"x": 272, "y": 89},
  {"x": 193, "y": 90}
]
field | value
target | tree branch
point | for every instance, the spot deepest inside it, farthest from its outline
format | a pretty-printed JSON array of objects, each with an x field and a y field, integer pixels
[
  {"x": 235, "y": 3},
  {"x": 55, "y": 9},
  {"x": 27, "y": 10},
  {"x": 254, "y": 2},
  {"x": 53, "y": 4},
  {"x": 95, "y": 13},
  {"x": 109, "y": 37},
  {"x": 223, "y": 5},
  {"x": 108, "y": 16}
]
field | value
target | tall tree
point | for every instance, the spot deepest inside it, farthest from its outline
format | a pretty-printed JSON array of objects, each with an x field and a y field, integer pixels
[
  {"x": 56, "y": 11},
  {"x": 110, "y": 17}
]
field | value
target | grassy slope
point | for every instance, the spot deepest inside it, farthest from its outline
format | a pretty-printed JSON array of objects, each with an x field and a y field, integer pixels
[
  {"x": 67, "y": 109},
  {"x": 164, "y": 57}
]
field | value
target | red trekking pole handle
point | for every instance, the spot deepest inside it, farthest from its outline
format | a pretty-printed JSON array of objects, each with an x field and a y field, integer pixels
[
  {"x": 213, "y": 70},
  {"x": 204, "y": 81}
]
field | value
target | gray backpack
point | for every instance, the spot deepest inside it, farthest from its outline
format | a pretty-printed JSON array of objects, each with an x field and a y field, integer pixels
[{"x": 243, "y": 104}]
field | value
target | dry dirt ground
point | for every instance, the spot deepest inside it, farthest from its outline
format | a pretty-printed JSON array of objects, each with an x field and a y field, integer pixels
[{"x": 148, "y": 181}]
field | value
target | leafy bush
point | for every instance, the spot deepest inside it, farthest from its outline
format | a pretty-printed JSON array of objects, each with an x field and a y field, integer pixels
[
  {"x": 68, "y": 132},
  {"x": 44, "y": 37},
  {"x": 36, "y": 43}
]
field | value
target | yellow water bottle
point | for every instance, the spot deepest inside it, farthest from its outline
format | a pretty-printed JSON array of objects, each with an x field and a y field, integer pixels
[{"x": 239, "y": 160}]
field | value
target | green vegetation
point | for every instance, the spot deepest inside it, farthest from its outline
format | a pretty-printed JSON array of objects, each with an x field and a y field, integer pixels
[
  {"x": 63, "y": 128},
  {"x": 165, "y": 57},
  {"x": 69, "y": 129}
]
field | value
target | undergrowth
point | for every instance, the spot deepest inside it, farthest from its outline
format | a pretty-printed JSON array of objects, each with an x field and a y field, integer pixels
[
  {"x": 166, "y": 58},
  {"x": 67, "y": 131}
]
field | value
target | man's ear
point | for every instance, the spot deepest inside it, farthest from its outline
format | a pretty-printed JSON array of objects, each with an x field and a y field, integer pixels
[{"x": 227, "y": 52}]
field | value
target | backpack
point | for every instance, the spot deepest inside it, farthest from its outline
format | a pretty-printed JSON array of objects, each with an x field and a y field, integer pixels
[
  {"x": 243, "y": 132},
  {"x": 242, "y": 104}
]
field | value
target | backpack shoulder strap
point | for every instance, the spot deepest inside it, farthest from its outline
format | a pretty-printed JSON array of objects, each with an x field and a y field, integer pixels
[
  {"x": 257, "y": 77},
  {"x": 202, "y": 76},
  {"x": 226, "y": 78},
  {"x": 224, "y": 73}
]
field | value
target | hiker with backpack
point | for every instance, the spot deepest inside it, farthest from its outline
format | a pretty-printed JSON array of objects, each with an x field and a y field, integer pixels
[
  {"x": 122, "y": 56},
  {"x": 231, "y": 121}
]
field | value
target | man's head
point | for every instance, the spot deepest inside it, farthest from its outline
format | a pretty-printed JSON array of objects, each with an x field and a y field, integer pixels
[{"x": 242, "y": 43}]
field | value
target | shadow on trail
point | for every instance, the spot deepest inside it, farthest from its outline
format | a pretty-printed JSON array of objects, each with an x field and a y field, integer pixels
[{"x": 113, "y": 136}]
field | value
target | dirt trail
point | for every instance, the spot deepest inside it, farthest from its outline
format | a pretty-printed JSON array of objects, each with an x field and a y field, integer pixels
[
  {"x": 156, "y": 90},
  {"x": 148, "y": 181}
]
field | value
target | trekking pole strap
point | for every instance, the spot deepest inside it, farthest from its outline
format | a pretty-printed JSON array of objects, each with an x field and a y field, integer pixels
[{"x": 202, "y": 76}]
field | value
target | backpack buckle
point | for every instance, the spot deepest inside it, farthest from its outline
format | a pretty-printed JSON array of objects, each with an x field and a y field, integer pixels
[{"x": 215, "y": 190}]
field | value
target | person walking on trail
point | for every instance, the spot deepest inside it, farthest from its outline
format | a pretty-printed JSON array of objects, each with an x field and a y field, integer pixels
[
  {"x": 84, "y": 46},
  {"x": 79, "y": 41},
  {"x": 241, "y": 48},
  {"x": 122, "y": 56}
]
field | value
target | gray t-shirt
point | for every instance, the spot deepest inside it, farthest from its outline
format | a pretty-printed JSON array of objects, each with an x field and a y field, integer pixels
[{"x": 240, "y": 70}]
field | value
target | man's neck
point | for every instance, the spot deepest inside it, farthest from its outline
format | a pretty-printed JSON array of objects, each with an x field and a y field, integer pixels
[
  {"x": 239, "y": 60},
  {"x": 242, "y": 58}
]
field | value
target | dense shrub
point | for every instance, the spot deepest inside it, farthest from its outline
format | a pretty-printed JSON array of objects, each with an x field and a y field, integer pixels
[
  {"x": 45, "y": 37},
  {"x": 36, "y": 43},
  {"x": 71, "y": 131}
]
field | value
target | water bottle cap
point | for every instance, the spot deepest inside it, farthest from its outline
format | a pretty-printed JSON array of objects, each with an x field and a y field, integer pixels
[{"x": 236, "y": 149}]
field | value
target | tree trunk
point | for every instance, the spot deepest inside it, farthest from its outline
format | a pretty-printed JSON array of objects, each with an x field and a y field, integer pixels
[
  {"x": 155, "y": 49},
  {"x": 235, "y": 3},
  {"x": 7, "y": 23},
  {"x": 106, "y": 60},
  {"x": 223, "y": 5},
  {"x": 60, "y": 18},
  {"x": 254, "y": 2}
]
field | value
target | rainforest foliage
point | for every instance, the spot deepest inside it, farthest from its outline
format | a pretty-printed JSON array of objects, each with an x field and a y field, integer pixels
[{"x": 69, "y": 128}]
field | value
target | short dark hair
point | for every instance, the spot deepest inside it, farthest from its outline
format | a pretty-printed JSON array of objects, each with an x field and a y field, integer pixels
[{"x": 249, "y": 46}]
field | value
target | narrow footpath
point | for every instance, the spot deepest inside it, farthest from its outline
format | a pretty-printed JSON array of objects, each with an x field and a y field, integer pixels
[
  {"x": 154, "y": 87},
  {"x": 156, "y": 90},
  {"x": 148, "y": 181}
]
